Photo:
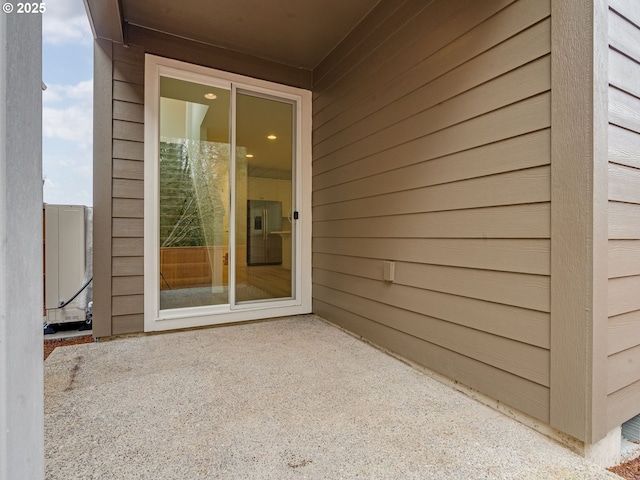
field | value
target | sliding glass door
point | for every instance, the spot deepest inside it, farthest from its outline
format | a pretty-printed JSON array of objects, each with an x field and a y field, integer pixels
[
  {"x": 264, "y": 159},
  {"x": 194, "y": 164},
  {"x": 225, "y": 180}
]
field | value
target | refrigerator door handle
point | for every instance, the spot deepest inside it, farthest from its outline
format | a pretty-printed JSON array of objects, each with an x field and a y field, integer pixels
[{"x": 265, "y": 215}]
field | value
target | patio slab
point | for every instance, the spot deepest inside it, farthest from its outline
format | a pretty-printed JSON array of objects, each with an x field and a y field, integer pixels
[{"x": 291, "y": 398}]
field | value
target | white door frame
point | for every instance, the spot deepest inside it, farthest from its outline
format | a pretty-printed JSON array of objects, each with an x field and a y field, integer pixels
[{"x": 154, "y": 318}]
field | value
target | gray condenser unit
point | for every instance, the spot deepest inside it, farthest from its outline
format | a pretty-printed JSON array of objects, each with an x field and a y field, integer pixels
[{"x": 68, "y": 263}]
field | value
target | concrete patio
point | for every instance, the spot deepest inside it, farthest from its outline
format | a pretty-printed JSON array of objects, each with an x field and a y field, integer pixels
[{"x": 290, "y": 398}]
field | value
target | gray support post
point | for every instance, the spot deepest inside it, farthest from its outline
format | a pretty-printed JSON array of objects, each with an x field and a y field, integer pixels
[{"x": 21, "y": 366}]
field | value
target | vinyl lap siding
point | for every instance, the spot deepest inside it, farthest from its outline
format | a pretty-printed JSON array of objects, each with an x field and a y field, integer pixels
[
  {"x": 624, "y": 211},
  {"x": 127, "y": 207},
  {"x": 432, "y": 149}
]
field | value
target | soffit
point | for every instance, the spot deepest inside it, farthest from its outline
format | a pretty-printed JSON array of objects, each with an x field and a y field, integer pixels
[{"x": 299, "y": 33}]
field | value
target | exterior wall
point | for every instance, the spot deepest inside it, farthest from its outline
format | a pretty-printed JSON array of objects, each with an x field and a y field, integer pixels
[
  {"x": 118, "y": 190},
  {"x": 119, "y": 162},
  {"x": 432, "y": 150},
  {"x": 127, "y": 204},
  {"x": 21, "y": 292},
  {"x": 579, "y": 221},
  {"x": 623, "y": 385}
]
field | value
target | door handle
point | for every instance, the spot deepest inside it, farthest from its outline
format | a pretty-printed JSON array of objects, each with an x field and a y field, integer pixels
[{"x": 266, "y": 223}]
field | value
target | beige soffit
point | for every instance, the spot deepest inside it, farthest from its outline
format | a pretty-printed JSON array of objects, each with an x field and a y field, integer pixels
[{"x": 294, "y": 32}]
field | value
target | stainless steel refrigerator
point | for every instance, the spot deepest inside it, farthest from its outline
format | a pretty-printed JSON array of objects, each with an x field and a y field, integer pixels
[{"x": 263, "y": 246}]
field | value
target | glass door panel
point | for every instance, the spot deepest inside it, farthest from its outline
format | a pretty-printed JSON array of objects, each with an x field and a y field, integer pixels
[
  {"x": 194, "y": 194},
  {"x": 264, "y": 156}
]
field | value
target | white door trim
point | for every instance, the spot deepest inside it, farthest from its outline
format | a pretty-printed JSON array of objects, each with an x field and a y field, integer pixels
[{"x": 156, "y": 320}]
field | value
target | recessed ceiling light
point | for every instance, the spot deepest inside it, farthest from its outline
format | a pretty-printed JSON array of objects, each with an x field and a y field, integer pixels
[
  {"x": 249, "y": 155},
  {"x": 210, "y": 96},
  {"x": 271, "y": 137}
]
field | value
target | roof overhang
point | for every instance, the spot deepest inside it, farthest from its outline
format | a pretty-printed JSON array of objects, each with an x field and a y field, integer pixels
[
  {"x": 296, "y": 33},
  {"x": 105, "y": 18}
]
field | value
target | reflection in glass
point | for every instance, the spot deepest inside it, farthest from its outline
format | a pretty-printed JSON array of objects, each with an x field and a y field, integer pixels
[
  {"x": 264, "y": 159},
  {"x": 194, "y": 194}
]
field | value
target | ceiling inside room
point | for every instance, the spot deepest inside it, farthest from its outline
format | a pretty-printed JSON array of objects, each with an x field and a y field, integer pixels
[
  {"x": 256, "y": 119},
  {"x": 299, "y": 33}
]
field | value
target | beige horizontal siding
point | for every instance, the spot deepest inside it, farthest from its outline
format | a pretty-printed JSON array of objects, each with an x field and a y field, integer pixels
[
  {"x": 520, "y": 393},
  {"x": 623, "y": 183},
  {"x": 413, "y": 118},
  {"x": 437, "y": 158},
  {"x": 624, "y": 295},
  {"x": 522, "y": 325},
  {"x": 522, "y": 186},
  {"x": 370, "y": 29},
  {"x": 129, "y": 169},
  {"x": 127, "y": 305},
  {"x": 128, "y": 150},
  {"x": 128, "y": 208},
  {"x": 428, "y": 89},
  {"x": 519, "y": 119},
  {"x": 520, "y": 152},
  {"x": 515, "y": 255},
  {"x": 624, "y": 258},
  {"x": 129, "y": 112},
  {"x": 128, "y": 227},
  {"x": 514, "y": 221},
  {"x": 128, "y": 285},
  {"x": 124, "y": 188},
  {"x": 622, "y": 404},
  {"x": 126, "y": 266},
  {"x": 426, "y": 46},
  {"x": 624, "y": 221},
  {"x": 373, "y": 48},
  {"x": 624, "y": 110},
  {"x": 128, "y": 191},
  {"x": 122, "y": 247},
  {"x": 624, "y": 331},
  {"x": 624, "y": 146},
  {"x": 128, "y": 69},
  {"x": 623, "y": 367},
  {"x": 524, "y": 360},
  {"x": 517, "y": 289},
  {"x": 128, "y": 92},
  {"x": 131, "y": 131},
  {"x": 469, "y": 132},
  {"x": 124, "y": 324}
]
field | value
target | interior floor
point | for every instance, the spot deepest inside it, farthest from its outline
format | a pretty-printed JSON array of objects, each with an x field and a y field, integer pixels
[{"x": 253, "y": 283}]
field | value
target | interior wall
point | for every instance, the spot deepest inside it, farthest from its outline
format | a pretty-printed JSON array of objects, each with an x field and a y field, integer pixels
[
  {"x": 431, "y": 132},
  {"x": 624, "y": 212}
]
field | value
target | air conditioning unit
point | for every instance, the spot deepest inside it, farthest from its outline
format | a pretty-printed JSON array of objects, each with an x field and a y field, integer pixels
[
  {"x": 631, "y": 429},
  {"x": 68, "y": 263}
]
